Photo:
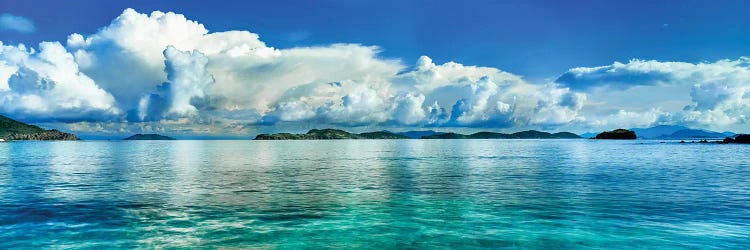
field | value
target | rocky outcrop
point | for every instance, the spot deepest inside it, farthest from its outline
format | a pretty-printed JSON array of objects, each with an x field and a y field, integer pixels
[
  {"x": 742, "y": 139},
  {"x": 617, "y": 134}
]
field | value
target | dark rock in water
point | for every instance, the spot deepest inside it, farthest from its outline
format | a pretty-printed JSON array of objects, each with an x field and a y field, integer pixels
[
  {"x": 745, "y": 138},
  {"x": 148, "y": 137},
  {"x": 742, "y": 139},
  {"x": 617, "y": 134},
  {"x": 682, "y": 141},
  {"x": 14, "y": 130}
]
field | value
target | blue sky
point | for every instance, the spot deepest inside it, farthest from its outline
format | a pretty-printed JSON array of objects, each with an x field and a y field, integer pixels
[
  {"x": 532, "y": 38},
  {"x": 541, "y": 64}
]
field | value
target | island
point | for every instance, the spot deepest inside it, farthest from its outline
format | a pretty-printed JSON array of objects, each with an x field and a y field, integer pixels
[
  {"x": 148, "y": 137},
  {"x": 529, "y": 134},
  {"x": 330, "y": 134},
  {"x": 11, "y": 130},
  {"x": 336, "y": 134},
  {"x": 617, "y": 134}
]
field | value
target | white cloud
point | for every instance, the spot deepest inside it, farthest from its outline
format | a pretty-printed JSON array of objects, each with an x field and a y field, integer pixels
[
  {"x": 48, "y": 85},
  {"x": 558, "y": 106},
  {"x": 719, "y": 91},
  {"x": 409, "y": 110},
  {"x": 9, "y": 22},
  {"x": 629, "y": 119},
  {"x": 187, "y": 80},
  {"x": 126, "y": 57},
  {"x": 168, "y": 71}
]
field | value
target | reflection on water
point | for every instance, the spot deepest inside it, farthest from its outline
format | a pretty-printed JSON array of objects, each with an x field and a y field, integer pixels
[{"x": 370, "y": 193}]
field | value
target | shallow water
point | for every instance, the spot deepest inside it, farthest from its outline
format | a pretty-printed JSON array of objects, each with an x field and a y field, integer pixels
[{"x": 374, "y": 194}]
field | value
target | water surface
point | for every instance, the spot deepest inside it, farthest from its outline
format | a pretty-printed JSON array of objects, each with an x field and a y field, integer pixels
[{"x": 374, "y": 194}]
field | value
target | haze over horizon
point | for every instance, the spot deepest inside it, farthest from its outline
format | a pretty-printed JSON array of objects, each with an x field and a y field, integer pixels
[{"x": 192, "y": 70}]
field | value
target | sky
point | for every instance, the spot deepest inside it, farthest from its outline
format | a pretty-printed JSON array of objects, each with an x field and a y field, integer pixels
[{"x": 230, "y": 68}]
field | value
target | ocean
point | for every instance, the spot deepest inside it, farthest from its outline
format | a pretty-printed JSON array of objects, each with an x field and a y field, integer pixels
[{"x": 413, "y": 194}]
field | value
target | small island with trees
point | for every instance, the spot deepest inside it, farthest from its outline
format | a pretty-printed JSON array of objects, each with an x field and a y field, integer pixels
[{"x": 617, "y": 134}]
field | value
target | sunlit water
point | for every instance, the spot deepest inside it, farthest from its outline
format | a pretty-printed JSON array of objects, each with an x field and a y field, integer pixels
[{"x": 374, "y": 194}]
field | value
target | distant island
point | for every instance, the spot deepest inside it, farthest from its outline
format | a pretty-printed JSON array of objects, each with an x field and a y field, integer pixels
[
  {"x": 330, "y": 134},
  {"x": 336, "y": 134},
  {"x": 672, "y": 132},
  {"x": 418, "y": 134},
  {"x": 11, "y": 130},
  {"x": 149, "y": 137},
  {"x": 617, "y": 134},
  {"x": 529, "y": 134}
]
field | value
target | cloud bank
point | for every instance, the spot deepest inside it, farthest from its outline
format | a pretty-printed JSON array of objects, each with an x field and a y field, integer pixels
[
  {"x": 719, "y": 91},
  {"x": 163, "y": 71}
]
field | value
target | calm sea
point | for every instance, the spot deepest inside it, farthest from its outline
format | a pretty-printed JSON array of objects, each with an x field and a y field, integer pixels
[{"x": 374, "y": 194}]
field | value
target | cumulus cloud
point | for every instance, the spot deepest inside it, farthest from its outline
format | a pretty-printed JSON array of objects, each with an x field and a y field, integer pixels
[
  {"x": 460, "y": 96},
  {"x": 187, "y": 80},
  {"x": 9, "y": 22},
  {"x": 631, "y": 119},
  {"x": 719, "y": 91},
  {"x": 557, "y": 106},
  {"x": 168, "y": 71},
  {"x": 47, "y": 85}
]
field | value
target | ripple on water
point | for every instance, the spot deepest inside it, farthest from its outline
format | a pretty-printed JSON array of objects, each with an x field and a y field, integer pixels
[{"x": 374, "y": 194}]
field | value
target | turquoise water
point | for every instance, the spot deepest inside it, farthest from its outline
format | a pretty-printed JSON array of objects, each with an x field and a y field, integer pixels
[{"x": 374, "y": 194}]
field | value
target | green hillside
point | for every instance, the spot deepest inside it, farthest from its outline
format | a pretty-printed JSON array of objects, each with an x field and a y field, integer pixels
[
  {"x": 9, "y": 126},
  {"x": 14, "y": 130}
]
